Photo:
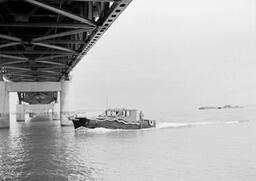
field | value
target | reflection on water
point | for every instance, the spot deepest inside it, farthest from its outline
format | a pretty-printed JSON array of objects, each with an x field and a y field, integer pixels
[{"x": 42, "y": 150}]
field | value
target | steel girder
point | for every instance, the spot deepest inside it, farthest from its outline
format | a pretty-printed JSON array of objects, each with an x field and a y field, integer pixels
[
  {"x": 37, "y": 97},
  {"x": 43, "y": 40}
]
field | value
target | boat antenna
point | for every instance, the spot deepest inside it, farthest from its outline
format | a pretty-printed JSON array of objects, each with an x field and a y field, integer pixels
[{"x": 107, "y": 102}]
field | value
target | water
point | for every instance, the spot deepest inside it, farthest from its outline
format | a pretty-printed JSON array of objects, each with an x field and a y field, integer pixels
[{"x": 201, "y": 145}]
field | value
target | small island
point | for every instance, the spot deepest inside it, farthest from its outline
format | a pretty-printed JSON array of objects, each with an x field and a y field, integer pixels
[{"x": 220, "y": 107}]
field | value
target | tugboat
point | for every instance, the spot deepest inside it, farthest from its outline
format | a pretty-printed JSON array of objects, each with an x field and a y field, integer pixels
[{"x": 115, "y": 119}]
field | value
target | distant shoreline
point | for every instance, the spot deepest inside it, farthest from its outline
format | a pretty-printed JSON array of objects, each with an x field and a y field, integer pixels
[{"x": 220, "y": 107}]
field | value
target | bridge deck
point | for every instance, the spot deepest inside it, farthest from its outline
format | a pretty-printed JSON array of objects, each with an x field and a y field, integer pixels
[{"x": 42, "y": 40}]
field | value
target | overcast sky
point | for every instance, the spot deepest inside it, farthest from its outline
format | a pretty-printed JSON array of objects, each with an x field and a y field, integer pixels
[{"x": 172, "y": 55}]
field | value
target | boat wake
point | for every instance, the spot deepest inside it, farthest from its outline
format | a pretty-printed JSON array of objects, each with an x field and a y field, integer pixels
[
  {"x": 104, "y": 130},
  {"x": 161, "y": 125}
]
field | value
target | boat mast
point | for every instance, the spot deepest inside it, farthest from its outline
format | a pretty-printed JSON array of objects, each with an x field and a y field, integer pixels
[{"x": 107, "y": 102}]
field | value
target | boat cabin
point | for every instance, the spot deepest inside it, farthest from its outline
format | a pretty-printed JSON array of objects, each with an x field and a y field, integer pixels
[{"x": 126, "y": 114}]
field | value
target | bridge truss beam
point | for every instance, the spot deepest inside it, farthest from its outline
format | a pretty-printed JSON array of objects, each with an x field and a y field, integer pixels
[{"x": 45, "y": 39}]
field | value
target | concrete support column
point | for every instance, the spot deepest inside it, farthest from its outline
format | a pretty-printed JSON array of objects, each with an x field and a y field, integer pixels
[
  {"x": 64, "y": 103},
  {"x": 4, "y": 106},
  {"x": 56, "y": 110},
  {"x": 20, "y": 112}
]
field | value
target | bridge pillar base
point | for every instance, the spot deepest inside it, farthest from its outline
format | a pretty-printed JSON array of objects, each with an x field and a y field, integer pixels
[
  {"x": 56, "y": 111},
  {"x": 64, "y": 103},
  {"x": 20, "y": 113},
  {"x": 4, "y": 106}
]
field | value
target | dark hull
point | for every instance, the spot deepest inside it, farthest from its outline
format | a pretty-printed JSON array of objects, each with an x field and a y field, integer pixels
[{"x": 90, "y": 123}]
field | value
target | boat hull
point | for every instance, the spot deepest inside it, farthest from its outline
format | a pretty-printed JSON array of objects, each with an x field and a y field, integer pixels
[{"x": 112, "y": 124}]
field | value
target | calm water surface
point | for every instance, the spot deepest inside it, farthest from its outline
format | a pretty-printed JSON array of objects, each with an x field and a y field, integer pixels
[{"x": 209, "y": 145}]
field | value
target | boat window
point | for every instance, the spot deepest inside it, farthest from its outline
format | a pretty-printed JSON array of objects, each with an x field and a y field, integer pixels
[
  {"x": 127, "y": 113},
  {"x": 108, "y": 113},
  {"x": 113, "y": 113}
]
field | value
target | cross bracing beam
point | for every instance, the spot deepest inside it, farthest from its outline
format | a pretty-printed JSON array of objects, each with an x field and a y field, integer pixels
[
  {"x": 54, "y": 47},
  {"x": 13, "y": 62},
  {"x": 14, "y": 72},
  {"x": 48, "y": 77},
  {"x": 23, "y": 75},
  {"x": 9, "y": 44},
  {"x": 11, "y": 38},
  {"x": 12, "y": 57},
  {"x": 52, "y": 57},
  {"x": 64, "y": 41},
  {"x": 46, "y": 25},
  {"x": 32, "y": 72},
  {"x": 62, "y": 12},
  {"x": 35, "y": 52},
  {"x": 35, "y": 66},
  {"x": 16, "y": 68},
  {"x": 67, "y": 33},
  {"x": 50, "y": 62},
  {"x": 50, "y": 68},
  {"x": 49, "y": 72}
]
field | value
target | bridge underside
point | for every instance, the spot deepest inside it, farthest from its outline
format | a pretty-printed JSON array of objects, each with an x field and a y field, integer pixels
[
  {"x": 42, "y": 40},
  {"x": 38, "y": 97}
]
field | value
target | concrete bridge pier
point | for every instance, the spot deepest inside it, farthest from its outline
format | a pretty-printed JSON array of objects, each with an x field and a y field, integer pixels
[
  {"x": 62, "y": 87},
  {"x": 20, "y": 112},
  {"x": 7, "y": 87},
  {"x": 4, "y": 105},
  {"x": 56, "y": 110},
  {"x": 64, "y": 103}
]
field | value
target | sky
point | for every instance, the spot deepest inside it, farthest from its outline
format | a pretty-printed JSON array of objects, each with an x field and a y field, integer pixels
[{"x": 169, "y": 56}]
